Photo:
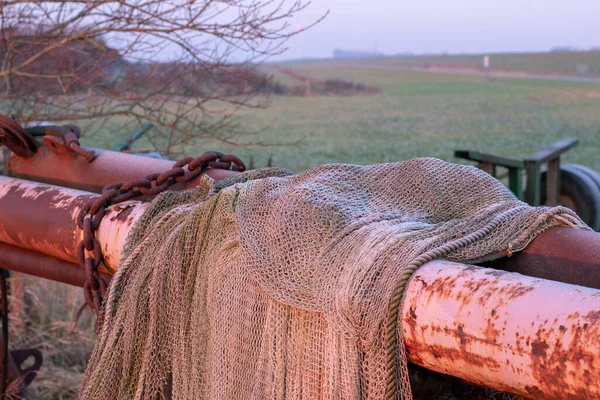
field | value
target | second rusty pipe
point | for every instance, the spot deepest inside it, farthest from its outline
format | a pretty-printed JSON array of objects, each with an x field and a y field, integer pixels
[
  {"x": 533, "y": 337},
  {"x": 37, "y": 264},
  {"x": 64, "y": 169}
]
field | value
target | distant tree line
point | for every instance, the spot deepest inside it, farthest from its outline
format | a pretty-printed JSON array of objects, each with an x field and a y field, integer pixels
[{"x": 82, "y": 67}]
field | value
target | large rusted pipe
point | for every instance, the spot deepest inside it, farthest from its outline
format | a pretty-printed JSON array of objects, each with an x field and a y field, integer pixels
[
  {"x": 67, "y": 170},
  {"x": 498, "y": 329},
  {"x": 43, "y": 218},
  {"x": 533, "y": 337},
  {"x": 547, "y": 257}
]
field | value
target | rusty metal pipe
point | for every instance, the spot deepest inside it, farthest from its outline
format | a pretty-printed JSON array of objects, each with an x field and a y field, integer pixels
[
  {"x": 43, "y": 266},
  {"x": 502, "y": 330},
  {"x": 558, "y": 254},
  {"x": 65, "y": 169},
  {"x": 546, "y": 257},
  {"x": 43, "y": 218},
  {"x": 523, "y": 335}
]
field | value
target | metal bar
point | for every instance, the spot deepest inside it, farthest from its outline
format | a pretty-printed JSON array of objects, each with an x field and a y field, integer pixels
[
  {"x": 488, "y": 158},
  {"x": 534, "y": 179},
  {"x": 502, "y": 330},
  {"x": 108, "y": 167},
  {"x": 488, "y": 167},
  {"x": 43, "y": 266},
  {"x": 552, "y": 151},
  {"x": 12, "y": 370},
  {"x": 532, "y": 337},
  {"x": 42, "y": 218},
  {"x": 5, "y": 337},
  {"x": 553, "y": 182},
  {"x": 515, "y": 181}
]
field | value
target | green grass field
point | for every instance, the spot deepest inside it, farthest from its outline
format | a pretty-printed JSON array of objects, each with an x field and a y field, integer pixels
[{"x": 418, "y": 114}]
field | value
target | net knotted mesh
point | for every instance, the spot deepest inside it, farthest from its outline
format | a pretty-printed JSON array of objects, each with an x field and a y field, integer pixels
[{"x": 271, "y": 285}]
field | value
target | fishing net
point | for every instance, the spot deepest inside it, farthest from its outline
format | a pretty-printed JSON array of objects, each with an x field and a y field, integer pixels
[{"x": 271, "y": 285}]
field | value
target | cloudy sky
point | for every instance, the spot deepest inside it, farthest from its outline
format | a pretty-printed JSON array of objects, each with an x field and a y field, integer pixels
[{"x": 454, "y": 26}]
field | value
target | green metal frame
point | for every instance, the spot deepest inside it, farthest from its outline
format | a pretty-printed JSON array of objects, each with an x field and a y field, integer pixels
[
  {"x": 489, "y": 164},
  {"x": 135, "y": 135},
  {"x": 532, "y": 165}
]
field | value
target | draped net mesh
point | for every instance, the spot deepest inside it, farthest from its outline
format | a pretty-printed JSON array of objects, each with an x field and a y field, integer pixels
[{"x": 270, "y": 285}]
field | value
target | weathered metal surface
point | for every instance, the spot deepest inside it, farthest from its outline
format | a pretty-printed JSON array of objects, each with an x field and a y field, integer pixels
[
  {"x": 553, "y": 182},
  {"x": 40, "y": 217},
  {"x": 489, "y": 159},
  {"x": 114, "y": 229},
  {"x": 62, "y": 139},
  {"x": 20, "y": 374},
  {"x": 108, "y": 167},
  {"x": 553, "y": 151},
  {"x": 37, "y": 264},
  {"x": 12, "y": 371},
  {"x": 558, "y": 254},
  {"x": 532, "y": 337},
  {"x": 43, "y": 218},
  {"x": 505, "y": 331}
]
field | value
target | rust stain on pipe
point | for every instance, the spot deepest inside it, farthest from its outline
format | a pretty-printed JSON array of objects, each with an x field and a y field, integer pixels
[
  {"x": 115, "y": 228},
  {"x": 532, "y": 337}
]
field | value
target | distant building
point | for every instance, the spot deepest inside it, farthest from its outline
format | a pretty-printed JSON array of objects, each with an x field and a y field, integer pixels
[{"x": 339, "y": 53}]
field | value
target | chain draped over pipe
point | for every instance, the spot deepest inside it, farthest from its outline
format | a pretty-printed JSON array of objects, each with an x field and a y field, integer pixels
[{"x": 90, "y": 217}]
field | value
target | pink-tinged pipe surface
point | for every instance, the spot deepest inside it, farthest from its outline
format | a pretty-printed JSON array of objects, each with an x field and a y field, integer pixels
[
  {"x": 65, "y": 169},
  {"x": 115, "y": 227},
  {"x": 43, "y": 218},
  {"x": 509, "y": 332},
  {"x": 501, "y": 330}
]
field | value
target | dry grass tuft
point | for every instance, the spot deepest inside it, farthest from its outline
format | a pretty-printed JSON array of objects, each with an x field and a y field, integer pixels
[{"x": 42, "y": 315}]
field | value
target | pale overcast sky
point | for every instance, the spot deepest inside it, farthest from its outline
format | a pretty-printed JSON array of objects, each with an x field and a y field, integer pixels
[{"x": 454, "y": 26}]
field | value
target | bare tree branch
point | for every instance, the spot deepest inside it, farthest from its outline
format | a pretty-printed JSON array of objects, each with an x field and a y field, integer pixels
[{"x": 96, "y": 61}]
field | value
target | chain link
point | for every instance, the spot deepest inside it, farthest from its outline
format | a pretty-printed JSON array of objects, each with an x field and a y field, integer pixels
[
  {"x": 66, "y": 136},
  {"x": 89, "y": 252}
]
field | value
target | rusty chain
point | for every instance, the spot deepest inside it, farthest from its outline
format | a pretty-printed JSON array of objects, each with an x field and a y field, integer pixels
[
  {"x": 90, "y": 216},
  {"x": 17, "y": 139},
  {"x": 22, "y": 141},
  {"x": 67, "y": 135}
]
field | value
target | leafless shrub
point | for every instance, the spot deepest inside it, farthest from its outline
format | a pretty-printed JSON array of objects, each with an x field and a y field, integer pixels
[{"x": 97, "y": 60}]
